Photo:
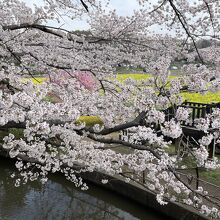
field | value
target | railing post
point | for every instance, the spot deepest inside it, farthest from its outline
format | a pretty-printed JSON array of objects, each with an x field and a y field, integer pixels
[
  {"x": 212, "y": 149},
  {"x": 143, "y": 176}
]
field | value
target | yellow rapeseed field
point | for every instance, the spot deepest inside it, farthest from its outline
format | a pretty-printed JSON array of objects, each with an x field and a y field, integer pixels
[{"x": 91, "y": 120}]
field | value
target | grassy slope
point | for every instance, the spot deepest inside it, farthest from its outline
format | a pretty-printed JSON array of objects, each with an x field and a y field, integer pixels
[{"x": 212, "y": 176}]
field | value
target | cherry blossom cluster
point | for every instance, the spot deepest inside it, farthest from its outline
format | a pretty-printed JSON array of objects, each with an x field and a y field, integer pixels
[{"x": 80, "y": 80}]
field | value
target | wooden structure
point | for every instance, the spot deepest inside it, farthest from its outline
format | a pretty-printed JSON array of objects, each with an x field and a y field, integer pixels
[
  {"x": 191, "y": 134},
  {"x": 199, "y": 110}
]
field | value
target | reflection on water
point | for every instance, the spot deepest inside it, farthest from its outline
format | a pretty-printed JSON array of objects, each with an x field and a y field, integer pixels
[{"x": 59, "y": 199}]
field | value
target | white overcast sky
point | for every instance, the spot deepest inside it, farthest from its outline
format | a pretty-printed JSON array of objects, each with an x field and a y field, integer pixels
[{"x": 123, "y": 7}]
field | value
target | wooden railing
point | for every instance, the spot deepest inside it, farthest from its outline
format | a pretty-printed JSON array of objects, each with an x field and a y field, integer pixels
[{"x": 198, "y": 110}]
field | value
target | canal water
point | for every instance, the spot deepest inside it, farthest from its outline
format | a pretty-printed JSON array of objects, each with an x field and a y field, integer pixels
[{"x": 58, "y": 199}]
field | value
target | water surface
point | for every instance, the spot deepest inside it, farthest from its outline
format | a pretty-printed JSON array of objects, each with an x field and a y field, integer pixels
[{"x": 58, "y": 199}]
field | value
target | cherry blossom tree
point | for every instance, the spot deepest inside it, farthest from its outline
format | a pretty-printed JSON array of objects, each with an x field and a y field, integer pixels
[{"x": 81, "y": 74}]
